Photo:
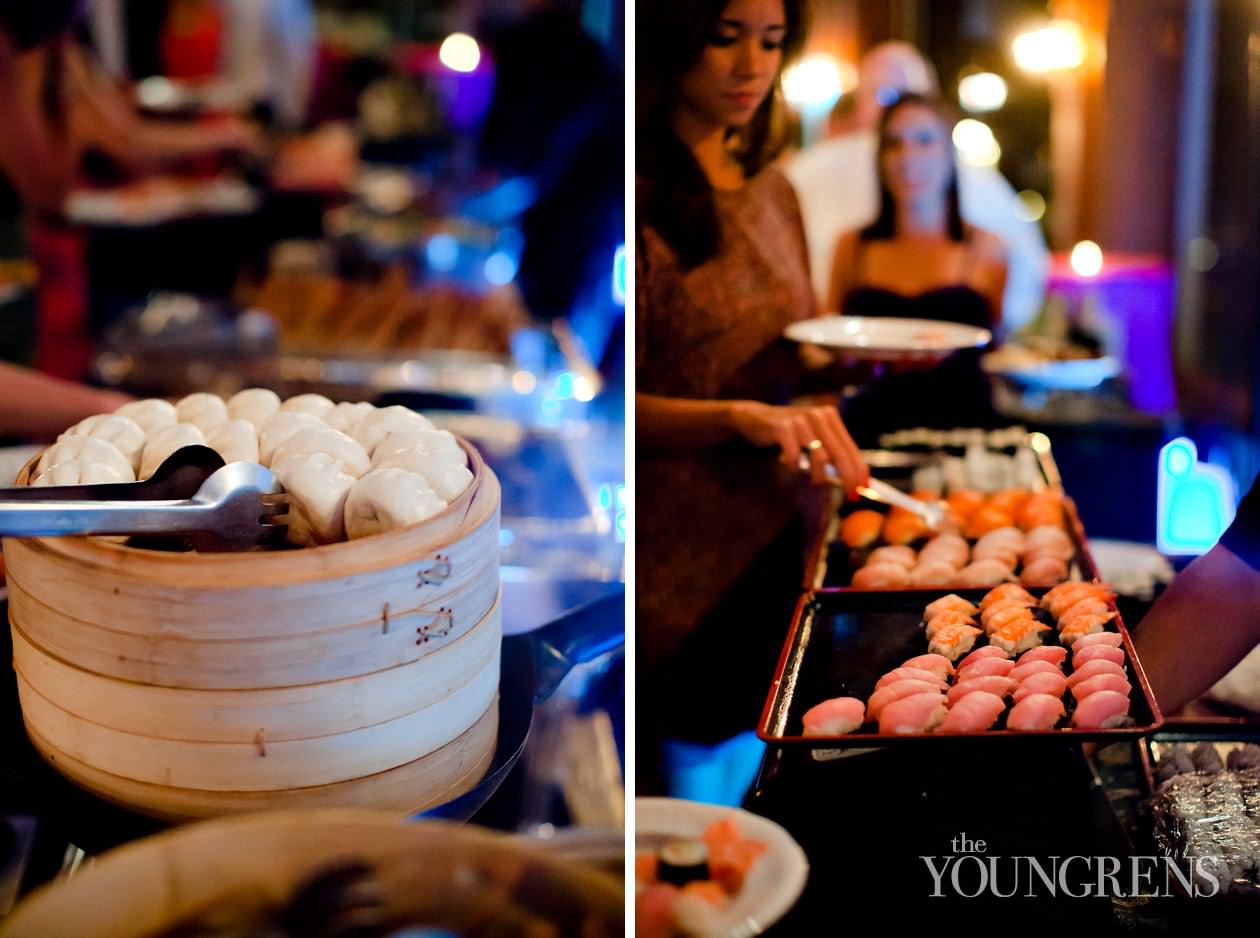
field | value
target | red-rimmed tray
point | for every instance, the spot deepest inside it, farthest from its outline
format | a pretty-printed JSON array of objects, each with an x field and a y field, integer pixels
[{"x": 841, "y": 642}]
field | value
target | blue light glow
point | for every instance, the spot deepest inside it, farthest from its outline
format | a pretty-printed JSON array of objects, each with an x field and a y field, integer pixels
[
  {"x": 1195, "y": 501},
  {"x": 506, "y": 537},
  {"x": 499, "y": 268},
  {"x": 564, "y": 385},
  {"x": 442, "y": 252},
  {"x": 620, "y": 496},
  {"x": 604, "y": 497},
  {"x": 619, "y": 524},
  {"x": 619, "y": 275}
]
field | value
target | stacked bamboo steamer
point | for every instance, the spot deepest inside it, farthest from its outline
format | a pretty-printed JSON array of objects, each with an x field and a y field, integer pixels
[{"x": 185, "y": 685}]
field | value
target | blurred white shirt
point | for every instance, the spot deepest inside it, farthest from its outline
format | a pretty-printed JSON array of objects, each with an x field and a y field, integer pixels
[{"x": 838, "y": 188}]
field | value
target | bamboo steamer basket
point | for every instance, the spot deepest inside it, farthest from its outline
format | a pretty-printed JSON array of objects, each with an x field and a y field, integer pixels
[{"x": 185, "y": 685}]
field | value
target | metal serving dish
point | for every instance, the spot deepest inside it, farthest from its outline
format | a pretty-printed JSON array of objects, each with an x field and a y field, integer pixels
[{"x": 841, "y": 642}]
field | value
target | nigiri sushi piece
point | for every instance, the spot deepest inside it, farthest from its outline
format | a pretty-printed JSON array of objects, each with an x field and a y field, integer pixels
[
  {"x": 1055, "y": 654},
  {"x": 1062, "y": 597},
  {"x": 1008, "y": 592},
  {"x": 1093, "y": 652},
  {"x": 1101, "y": 710},
  {"x": 1003, "y": 614},
  {"x": 986, "y": 518},
  {"x": 1091, "y": 668},
  {"x": 861, "y": 528},
  {"x": 881, "y": 576},
  {"x": 1027, "y": 668},
  {"x": 1019, "y": 636},
  {"x": 947, "y": 618},
  {"x": 1050, "y": 538},
  {"x": 932, "y": 573},
  {"x": 1043, "y": 571},
  {"x": 973, "y": 713},
  {"x": 911, "y": 674},
  {"x": 1005, "y": 555},
  {"x": 1035, "y": 713},
  {"x": 991, "y": 684},
  {"x": 918, "y": 713},
  {"x": 954, "y": 641},
  {"x": 981, "y": 653},
  {"x": 986, "y": 666},
  {"x": 983, "y": 573},
  {"x": 1099, "y": 638},
  {"x": 1006, "y": 537},
  {"x": 834, "y": 717},
  {"x": 950, "y": 548},
  {"x": 938, "y": 665},
  {"x": 1101, "y": 682},
  {"x": 904, "y": 527},
  {"x": 895, "y": 691},
  {"x": 1043, "y": 682},
  {"x": 1083, "y": 623},
  {"x": 894, "y": 553},
  {"x": 951, "y": 601},
  {"x": 1091, "y": 604}
]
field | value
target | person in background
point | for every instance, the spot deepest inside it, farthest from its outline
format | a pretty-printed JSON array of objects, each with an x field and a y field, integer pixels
[
  {"x": 38, "y": 407},
  {"x": 837, "y": 185},
  {"x": 721, "y": 270},
  {"x": 919, "y": 260}
]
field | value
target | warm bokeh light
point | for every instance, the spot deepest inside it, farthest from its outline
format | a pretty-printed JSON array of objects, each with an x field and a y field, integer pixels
[
  {"x": 817, "y": 81},
  {"x": 460, "y": 52},
  {"x": 976, "y": 143},
  {"x": 1087, "y": 259},
  {"x": 981, "y": 92},
  {"x": 1054, "y": 48},
  {"x": 1202, "y": 254},
  {"x": 1032, "y": 205}
]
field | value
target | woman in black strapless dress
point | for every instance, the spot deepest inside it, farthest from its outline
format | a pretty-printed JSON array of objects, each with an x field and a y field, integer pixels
[{"x": 918, "y": 260}]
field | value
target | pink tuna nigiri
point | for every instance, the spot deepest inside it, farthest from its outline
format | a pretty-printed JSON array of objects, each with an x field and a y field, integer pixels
[
  {"x": 1091, "y": 668},
  {"x": 1055, "y": 654},
  {"x": 834, "y": 717},
  {"x": 950, "y": 601},
  {"x": 890, "y": 692},
  {"x": 986, "y": 666},
  {"x": 1026, "y": 668},
  {"x": 984, "y": 651},
  {"x": 991, "y": 684},
  {"x": 972, "y": 714},
  {"x": 910, "y": 674},
  {"x": 1095, "y": 652},
  {"x": 881, "y": 576},
  {"x": 1035, "y": 712},
  {"x": 1007, "y": 592},
  {"x": 1100, "y": 682},
  {"x": 1101, "y": 710},
  {"x": 937, "y": 664},
  {"x": 918, "y": 713},
  {"x": 1099, "y": 638},
  {"x": 1044, "y": 682}
]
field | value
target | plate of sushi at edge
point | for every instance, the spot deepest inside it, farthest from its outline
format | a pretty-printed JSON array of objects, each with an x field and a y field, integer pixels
[
  {"x": 712, "y": 871},
  {"x": 888, "y": 338}
]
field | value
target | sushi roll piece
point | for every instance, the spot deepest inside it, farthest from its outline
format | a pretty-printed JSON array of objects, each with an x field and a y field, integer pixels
[
  {"x": 1035, "y": 713},
  {"x": 937, "y": 664},
  {"x": 1244, "y": 758},
  {"x": 861, "y": 528},
  {"x": 986, "y": 666},
  {"x": 1207, "y": 759},
  {"x": 974, "y": 713},
  {"x": 834, "y": 717},
  {"x": 983, "y": 573},
  {"x": 954, "y": 641},
  {"x": 1028, "y": 668},
  {"x": 995, "y": 684},
  {"x": 944, "y": 619},
  {"x": 1093, "y": 669},
  {"x": 895, "y": 691},
  {"x": 911, "y": 674},
  {"x": 918, "y": 713},
  {"x": 1018, "y": 636},
  {"x": 949, "y": 548},
  {"x": 1055, "y": 654},
  {"x": 1043, "y": 571},
  {"x": 1100, "y": 682},
  {"x": 1003, "y": 614},
  {"x": 1008, "y": 592},
  {"x": 953, "y": 602},
  {"x": 680, "y": 862},
  {"x": 981, "y": 653},
  {"x": 1043, "y": 682},
  {"x": 898, "y": 554},
  {"x": 1100, "y": 638},
  {"x": 1088, "y": 653},
  {"x": 881, "y": 576},
  {"x": 932, "y": 573},
  {"x": 1102, "y": 710},
  {"x": 1175, "y": 761}
]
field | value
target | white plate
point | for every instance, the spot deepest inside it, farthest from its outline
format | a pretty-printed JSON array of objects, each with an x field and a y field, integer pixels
[
  {"x": 887, "y": 338},
  {"x": 773, "y": 884},
  {"x": 1076, "y": 374}
]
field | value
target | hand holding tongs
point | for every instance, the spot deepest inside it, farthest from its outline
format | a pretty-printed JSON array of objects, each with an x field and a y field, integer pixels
[
  {"x": 932, "y": 513},
  {"x": 192, "y": 494}
]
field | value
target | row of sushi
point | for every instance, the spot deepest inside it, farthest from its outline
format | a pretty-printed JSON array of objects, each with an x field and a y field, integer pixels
[
  {"x": 1205, "y": 758},
  {"x": 918, "y": 696}
]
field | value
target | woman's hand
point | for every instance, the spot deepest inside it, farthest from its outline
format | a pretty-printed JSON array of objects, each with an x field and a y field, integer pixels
[{"x": 817, "y": 430}]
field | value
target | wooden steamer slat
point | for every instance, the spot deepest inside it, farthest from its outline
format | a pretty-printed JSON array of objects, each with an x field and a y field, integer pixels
[{"x": 183, "y": 685}]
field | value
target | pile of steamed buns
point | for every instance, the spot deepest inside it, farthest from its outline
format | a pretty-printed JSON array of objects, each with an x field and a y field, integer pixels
[{"x": 351, "y": 470}]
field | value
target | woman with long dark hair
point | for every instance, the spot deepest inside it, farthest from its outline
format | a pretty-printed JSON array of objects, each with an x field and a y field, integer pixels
[
  {"x": 721, "y": 270},
  {"x": 918, "y": 259}
]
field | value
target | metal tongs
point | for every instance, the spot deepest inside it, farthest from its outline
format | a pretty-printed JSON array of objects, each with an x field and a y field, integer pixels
[
  {"x": 932, "y": 513},
  {"x": 192, "y": 495}
]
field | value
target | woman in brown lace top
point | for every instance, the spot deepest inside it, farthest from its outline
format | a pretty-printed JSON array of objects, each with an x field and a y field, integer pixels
[{"x": 720, "y": 271}]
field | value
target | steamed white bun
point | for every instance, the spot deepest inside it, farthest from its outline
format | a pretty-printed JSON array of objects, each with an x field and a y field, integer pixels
[
  {"x": 235, "y": 441},
  {"x": 151, "y": 413},
  {"x": 346, "y": 415},
  {"x": 204, "y": 411},
  {"x": 388, "y": 499},
  {"x": 375, "y": 426},
  {"x": 445, "y": 476},
  {"x": 126, "y": 435},
  {"x": 326, "y": 440},
  {"x": 89, "y": 448},
  {"x": 80, "y": 472},
  {"x": 439, "y": 442},
  {"x": 253, "y": 404},
  {"x": 317, "y": 486},
  {"x": 279, "y": 427},
  {"x": 164, "y": 442},
  {"x": 314, "y": 404}
]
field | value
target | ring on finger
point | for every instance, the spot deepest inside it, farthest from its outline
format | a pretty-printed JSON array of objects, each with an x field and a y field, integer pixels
[{"x": 814, "y": 444}]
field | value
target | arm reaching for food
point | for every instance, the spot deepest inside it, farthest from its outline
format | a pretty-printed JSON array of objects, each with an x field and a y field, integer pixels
[{"x": 37, "y": 405}]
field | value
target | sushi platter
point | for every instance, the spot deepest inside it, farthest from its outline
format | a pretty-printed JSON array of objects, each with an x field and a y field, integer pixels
[{"x": 845, "y": 647}]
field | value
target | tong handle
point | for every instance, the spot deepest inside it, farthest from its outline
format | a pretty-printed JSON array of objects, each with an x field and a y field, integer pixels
[{"x": 54, "y": 518}]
